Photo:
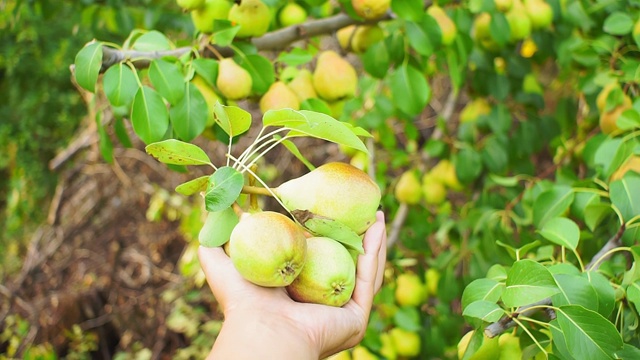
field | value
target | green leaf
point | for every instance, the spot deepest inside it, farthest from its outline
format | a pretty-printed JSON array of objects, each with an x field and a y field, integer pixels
[
  {"x": 629, "y": 119},
  {"x": 223, "y": 189},
  {"x": 618, "y": 23},
  {"x": 193, "y": 186},
  {"x": 152, "y": 41},
  {"x": 121, "y": 132},
  {"x": 595, "y": 213},
  {"x": 633, "y": 295},
  {"x": 562, "y": 231},
  {"x": 419, "y": 39},
  {"x": 628, "y": 352},
  {"x": 295, "y": 57},
  {"x": 408, "y": 318},
  {"x": 484, "y": 310},
  {"x": 189, "y": 115},
  {"x": 317, "y": 105},
  {"x": 575, "y": 290},
  {"x": 482, "y": 289},
  {"x": 283, "y": 117},
  {"x": 495, "y": 154},
  {"x": 177, "y": 153},
  {"x": 207, "y": 69},
  {"x": 625, "y": 195},
  {"x": 411, "y": 10},
  {"x": 499, "y": 28},
  {"x": 588, "y": 335},
  {"x": 120, "y": 85},
  {"x": 528, "y": 282},
  {"x": 468, "y": 164},
  {"x": 633, "y": 274},
  {"x": 261, "y": 70},
  {"x": 604, "y": 292},
  {"x": 106, "y": 146},
  {"x": 87, "y": 66},
  {"x": 149, "y": 115},
  {"x": 323, "y": 226},
  {"x": 510, "y": 181},
  {"x": 224, "y": 32},
  {"x": 551, "y": 203},
  {"x": 218, "y": 227},
  {"x": 167, "y": 79},
  {"x": 293, "y": 149},
  {"x": 232, "y": 119},
  {"x": 325, "y": 127},
  {"x": 376, "y": 60},
  {"x": 409, "y": 89}
]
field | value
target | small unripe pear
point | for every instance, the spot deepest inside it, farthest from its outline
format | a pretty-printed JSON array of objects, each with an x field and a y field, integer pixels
[
  {"x": 519, "y": 25},
  {"x": 432, "y": 278},
  {"x": 540, "y": 13},
  {"x": 292, "y": 14},
  {"x": 334, "y": 78},
  {"x": 481, "y": 26},
  {"x": 433, "y": 190},
  {"x": 302, "y": 85},
  {"x": 328, "y": 276},
  {"x": 447, "y": 26},
  {"x": 253, "y": 16},
  {"x": 190, "y": 4},
  {"x": 203, "y": 17},
  {"x": 406, "y": 343},
  {"x": 279, "y": 96},
  {"x": 408, "y": 188},
  {"x": 410, "y": 291},
  {"x": 268, "y": 249},
  {"x": 233, "y": 81},
  {"x": 337, "y": 191},
  {"x": 371, "y": 9},
  {"x": 359, "y": 38}
]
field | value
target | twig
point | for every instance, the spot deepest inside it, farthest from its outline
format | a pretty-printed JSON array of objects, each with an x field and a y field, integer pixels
[{"x": 396, "y": 226}]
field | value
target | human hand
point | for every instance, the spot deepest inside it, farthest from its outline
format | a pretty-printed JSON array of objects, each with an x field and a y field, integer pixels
[{"x": 266, "y": 322}]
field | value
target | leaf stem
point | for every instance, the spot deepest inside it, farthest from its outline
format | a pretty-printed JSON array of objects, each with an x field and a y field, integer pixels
[
  {"x": 607, "y": 254},
  {"x": 251, "y": 149},
  {"x": 531, "y": 336}
]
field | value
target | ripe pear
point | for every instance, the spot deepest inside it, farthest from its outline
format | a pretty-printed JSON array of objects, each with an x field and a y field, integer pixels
[
  {"x": 632, "y": 164},
  {"x": 359, "y": 38},
  {"x": 434, "y": 191},
  {"x": 445, "y": 172},
  {"x": 203, "y": 17},
  {"x": 302, "y": 85},
  {"x": 447, "y": 26},
  {"x": 406, "y": 343},
  {"x": 253, "y": 16},
  {"x": 268, "y": 249},
  {"x": 362, "y": 353},
  {"x": 481, "y": 26},
  {"x": 388, "y": 349},
  {"x": 335, "y": 190},
  {"x": 292, "y": 14},
  {"x": 209, "y": 96},
  {"x": 279, "y": 96},
  {"x": 190, "y": 4},
  {"x": 540, "y": 13},
  {"x": 408, "y": 188},
  {"x": 432, "y": 278},
  {"x": 371, "y": 9},
  {"x": 233, "y": 81},
  {"x": 328, "y": 276},
  {"x": 410, "y": 291},
  {"x": 334, "y": 78}
]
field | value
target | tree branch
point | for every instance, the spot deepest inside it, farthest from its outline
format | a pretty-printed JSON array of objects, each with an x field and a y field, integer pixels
[
  {"x": 275, "y": 40},
  {"x": 506, "y": 322}
]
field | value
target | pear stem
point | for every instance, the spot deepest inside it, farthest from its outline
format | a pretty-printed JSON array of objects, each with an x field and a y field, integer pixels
[
  {"x": 256, "y": 190},
  {"x": 269, "y": 190}
]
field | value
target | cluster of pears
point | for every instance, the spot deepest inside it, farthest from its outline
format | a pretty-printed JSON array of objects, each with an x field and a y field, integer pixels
[
  {"x": 609, "y": 114},
  {"x": 272, "y": 250},
  {"x": 522, "y": 17},
  {"x": 253, "y": 16},
  {"x": 333, "y": 80},
  {"x": 503, "y": 347},
  {"x": 433, "y": 188}
]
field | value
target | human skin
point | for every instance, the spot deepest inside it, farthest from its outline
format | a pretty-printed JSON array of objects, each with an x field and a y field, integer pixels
[{"x": 265, "y": 322}]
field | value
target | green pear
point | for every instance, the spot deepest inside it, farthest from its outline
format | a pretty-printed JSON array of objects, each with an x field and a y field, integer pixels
[
  {"x": 203, "y": 17},
  {"x": 268, "y": 249},
  {"x": 359, "y": 38},
  {"x": 292, "y": 14},
  {"x": 410, "y": 291},
  {"x": 233, "y": 81},
  {"x": 406, "y": 343},
  {"x": 490, "y": 348},
  {"x": 509, "y": 347},
  {"x": 302, "y": 85},
  {"x": 209, "y": 96},
  {"x": 519, "y": 24},
  {"x": 388, "y": 349},
  {"x": 279, "y": 96},
  {"x": 540, "y": 13},
  {"x": 190, "y": 4},
  {"x": 334, "y": 78},
  {"x": 253, "y": 16},
  {"x": 328, "y": 276},
  {"x": 447, "y": 26},
  {"x": 334, "y": 190},
  {"x": 371, "y": 9},
  {"x": 408, "y": 188},
  {"x": 432, "y": 278}
]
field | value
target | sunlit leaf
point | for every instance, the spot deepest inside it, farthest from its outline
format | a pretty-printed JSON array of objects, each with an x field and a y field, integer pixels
[
  {"x": 217, "y": 228},
  {"x": 193, "y": 186},
  {"x": 223, "y": 189},
  {"x": 87, "y": 65},
  {"x": 149, "y": 115},
  {"x": 528, "y": 282},
  {"x": 322, "y": 226},
  {"x": 178, "y": 153},
  {"x": 588, "y": 335}
]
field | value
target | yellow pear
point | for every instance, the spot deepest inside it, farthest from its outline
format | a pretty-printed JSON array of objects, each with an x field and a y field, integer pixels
[
  {"x": 302, "y": 85},
  {"x": 601, "y": 100},
  {"x": 253, "y": 16},
  {"x": 388, "y": 349},
  {"x": 433, "y": 190},
  {"x": 519, "y": 24},
  {"x": 209, "y": 96},
  {"x": 359, "y": 38},
  {"x": 632, "y": 164},
  {"x": 233, "y": 81},
  {"x": 474, "y": 109},
  {"x": 335, "y": 190},
  {"x": 410, "y": 291},
  {"x": 432, "y": 278},
  {"x": 360, "y": 160},
  {"x": 608, "y": 120},
  {"x": 408, "y": 188},
  {"x": 342, "y": 355},
  {"x": 279, "y": 96},
  {"x": 334, "y": 78},
  {"x": 268, "y": 249},
  {"x": 328, "y": 276},
  {"x": 447, "y": 26},
  {"x": 445, "y": 172},
  {"x": 371, "y": 9},
  {"x": 406, "y": 343},
  {"x": 203, "y": 17},
  {"x": 361, "y": 353}
]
